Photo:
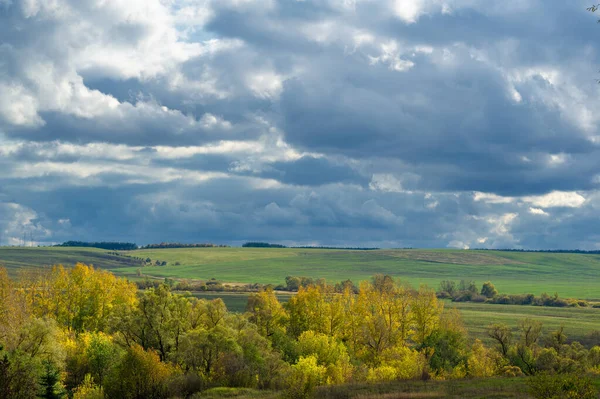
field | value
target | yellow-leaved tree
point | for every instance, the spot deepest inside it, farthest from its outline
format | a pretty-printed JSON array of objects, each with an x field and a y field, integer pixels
[{"x": 80, "y": 298}]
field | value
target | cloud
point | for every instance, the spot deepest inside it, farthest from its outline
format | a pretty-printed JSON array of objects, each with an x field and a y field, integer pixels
[
  {"x": 557, "y": 199},
  {"x": 435, "y": 123}
]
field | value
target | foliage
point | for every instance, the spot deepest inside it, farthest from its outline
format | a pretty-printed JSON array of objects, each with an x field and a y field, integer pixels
[
  {"x": 488, "y": 290},
  {"x": 562, "y": 386},
  {"x": 84, "y": 333},
  {"x": 50, "y": 385},
  {"x": 305, "y": 376},
  {"x": 139, "y": 374},
  {"x": 88, "y": 390},
  {"x": 80, "y": 298}
]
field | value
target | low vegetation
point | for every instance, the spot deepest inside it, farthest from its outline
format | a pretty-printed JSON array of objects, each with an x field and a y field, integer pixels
[
  {"x": 85, "y": 333},
  {"x": 467, "y": 291}
]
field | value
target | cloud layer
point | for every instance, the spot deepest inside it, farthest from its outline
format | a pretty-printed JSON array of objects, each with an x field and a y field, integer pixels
[{"x": 423, "y": 123}]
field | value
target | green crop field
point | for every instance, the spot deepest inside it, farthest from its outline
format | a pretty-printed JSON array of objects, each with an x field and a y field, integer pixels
[
  {"x": 20, "y": 258},
  {"x": 570, "y": 275}
]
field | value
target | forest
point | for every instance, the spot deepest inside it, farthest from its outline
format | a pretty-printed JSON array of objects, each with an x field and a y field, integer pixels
[{"x": 84, "y": 333}]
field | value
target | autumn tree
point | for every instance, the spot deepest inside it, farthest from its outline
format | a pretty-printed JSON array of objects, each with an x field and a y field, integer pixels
[
  {"x": 80, "y": 298},
  {"x": 426, "y": 312},
  {"x": 160, "y": 318},
  {"x": 139, "y": 375},
  {"x": 265, "y": 310}
]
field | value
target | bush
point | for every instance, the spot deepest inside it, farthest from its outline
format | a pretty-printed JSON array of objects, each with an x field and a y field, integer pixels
[
  {"x": 488, "y": 290},
  {"x": 306, "y": 375},
  {"x": 478, "y": 298},
  {"x": 562, "y": 386}
]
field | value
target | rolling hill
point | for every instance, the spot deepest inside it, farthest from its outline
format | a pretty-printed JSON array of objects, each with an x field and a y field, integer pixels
[{"x": 570, "y": 275}]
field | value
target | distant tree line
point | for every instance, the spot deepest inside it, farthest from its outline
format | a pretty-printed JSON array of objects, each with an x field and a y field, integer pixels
[
  {"x": 262, "y": 245},
  {"x": 115, "y": 246},
  {"x": 182, "y": 245}
]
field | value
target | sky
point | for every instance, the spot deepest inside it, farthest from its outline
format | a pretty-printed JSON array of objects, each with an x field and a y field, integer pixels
[{"x": 373, "y": 123}]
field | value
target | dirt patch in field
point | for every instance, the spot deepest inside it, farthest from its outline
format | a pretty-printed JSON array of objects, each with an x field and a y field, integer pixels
[{"x": 457, "y": 258}]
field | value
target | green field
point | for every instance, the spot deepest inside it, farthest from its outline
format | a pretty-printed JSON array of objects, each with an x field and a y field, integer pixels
[
  {"x": 570, "y": 275},
  {"x": 19, "y": 258}
]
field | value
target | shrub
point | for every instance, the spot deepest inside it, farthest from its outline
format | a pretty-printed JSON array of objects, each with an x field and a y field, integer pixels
[
  {"x": 511, "y": 371},
  {"x": 562, "y": 386},
  {"x": 488, "y": 290},
  {"x": 478, "y": 298},
  {"x": 305, "y": 376}
]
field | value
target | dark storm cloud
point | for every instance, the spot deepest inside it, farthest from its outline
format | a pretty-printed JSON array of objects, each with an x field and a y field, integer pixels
[
  {"x": 330, "y": 122},
  {"x": 310, "y": 171}
]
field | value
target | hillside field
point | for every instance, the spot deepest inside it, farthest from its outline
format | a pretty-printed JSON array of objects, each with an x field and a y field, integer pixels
[{"x": 570, "y": 275}]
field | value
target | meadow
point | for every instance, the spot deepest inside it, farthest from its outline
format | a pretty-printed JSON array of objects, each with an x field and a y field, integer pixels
[{"x": 569, "y": 275}]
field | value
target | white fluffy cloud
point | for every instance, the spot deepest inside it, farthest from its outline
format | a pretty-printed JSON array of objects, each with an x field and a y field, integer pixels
[{"x": 441, "y": 123}]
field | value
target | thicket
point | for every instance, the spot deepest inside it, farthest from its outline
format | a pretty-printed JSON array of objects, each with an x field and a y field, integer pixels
[
  {"x": 467, "y": 291},
  {"x": 84, "y": 333}
]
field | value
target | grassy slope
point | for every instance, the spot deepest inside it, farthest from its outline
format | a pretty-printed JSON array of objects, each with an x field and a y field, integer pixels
[
  {"x": 578, "y": 322},
  {"x": 18, "y": 258},
  {"x": 489, "y": 388},
  {"x": 571, "y": 275}
]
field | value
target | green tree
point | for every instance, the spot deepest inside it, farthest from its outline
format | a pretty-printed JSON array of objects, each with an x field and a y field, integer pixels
[
  {"x": 139, "y": 375},
  {"x": 305, "y": 376},
  {"x": 329, "y": 353},
  {"x": 18, "y": 375},
  {"x": 202, "y": 349},
  {"x": 488, "y": 290},
  {"x": 265, "y": 310},
  {"x": 158, "y": 321},
  {"x": 50, "y": 385}
]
